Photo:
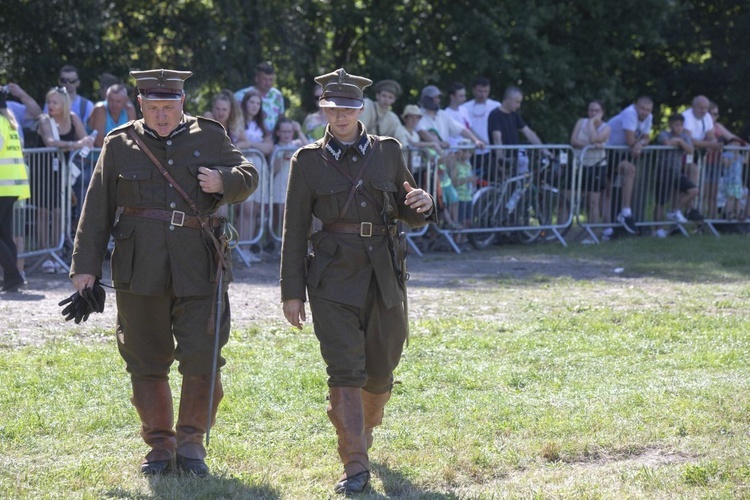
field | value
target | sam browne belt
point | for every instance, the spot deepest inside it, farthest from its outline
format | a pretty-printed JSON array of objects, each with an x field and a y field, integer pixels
[{"x": 174, "y": 217}]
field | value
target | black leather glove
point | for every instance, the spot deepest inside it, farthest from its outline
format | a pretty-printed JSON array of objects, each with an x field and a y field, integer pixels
[
  {"x": 95, "y": 297},
  {"x": 78, "y": 307}
]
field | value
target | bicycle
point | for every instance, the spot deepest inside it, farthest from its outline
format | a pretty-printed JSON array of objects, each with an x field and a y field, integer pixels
[{"x": 526, "y": 201}]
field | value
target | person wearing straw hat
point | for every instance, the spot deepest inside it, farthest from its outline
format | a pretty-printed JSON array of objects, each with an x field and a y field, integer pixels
[
  {"x": 358, "y": 185},
  {"x": 155, "y": 188}
]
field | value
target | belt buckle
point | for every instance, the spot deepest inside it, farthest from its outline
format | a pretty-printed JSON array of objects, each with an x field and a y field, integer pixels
[
  {"x": 178, "y": 218},
  {"x": 365, "y": 229}
]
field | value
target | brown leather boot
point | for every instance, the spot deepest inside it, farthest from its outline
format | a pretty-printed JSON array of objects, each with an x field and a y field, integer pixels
[
  {"x": 373, "y": 407},
  {"x": 192, "y": 422},
  {"x": 153, "y": 401},
  {"x": 346, "y": 412}
]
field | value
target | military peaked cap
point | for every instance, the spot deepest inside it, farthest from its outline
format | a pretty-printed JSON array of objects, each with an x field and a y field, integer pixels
[
  {"x": 342, "y": 90},
  {"x": 160, "y": 83}
]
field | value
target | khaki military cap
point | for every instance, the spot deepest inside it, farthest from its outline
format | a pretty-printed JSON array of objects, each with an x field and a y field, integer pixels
[
  {"x": 391, "y": 86},
  {"x": 160, "y": 83},
  {"x": 342, "y": 90}
]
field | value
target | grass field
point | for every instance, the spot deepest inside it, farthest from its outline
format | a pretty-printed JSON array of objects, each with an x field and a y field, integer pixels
[{"x": 633, "y": 384}]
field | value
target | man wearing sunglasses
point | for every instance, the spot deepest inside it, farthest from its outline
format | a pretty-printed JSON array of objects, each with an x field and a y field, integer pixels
[{"x": 79, "y": 105}]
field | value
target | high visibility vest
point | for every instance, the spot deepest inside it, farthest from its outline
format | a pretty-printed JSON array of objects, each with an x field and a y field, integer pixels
[{"x": 14, "y": 180}]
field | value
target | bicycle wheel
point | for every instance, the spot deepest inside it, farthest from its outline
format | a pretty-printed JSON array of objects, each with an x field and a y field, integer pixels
[
  {"x": 483, "y": 214},
  {"x": 538, "y": 209}
]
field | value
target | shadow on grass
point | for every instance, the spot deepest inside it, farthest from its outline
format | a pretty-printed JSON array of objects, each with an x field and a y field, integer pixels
[
  {"x": 396, "y": 485},
  {"x": 210, "y": 487}
]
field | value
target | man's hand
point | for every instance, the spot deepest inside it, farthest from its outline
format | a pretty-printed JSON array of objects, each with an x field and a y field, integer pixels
[
  {"x": 294, "y": 312},
  {"x": 81, "y": 281},
  {"x": 417, "y": 199},
  {"x": 210, "y": 180}
]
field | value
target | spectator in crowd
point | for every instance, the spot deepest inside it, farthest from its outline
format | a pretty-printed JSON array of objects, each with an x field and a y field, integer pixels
[
  {"x": 592, "y": 132},
  {"x": 112, "y": 113},
  {"x": 314, "y": 124},
  {"x": 69, "y": 79},
  {"x": 464, "y": 180},
  {"x": 273, "y": 99},
  {"x": 106, "y": 80},
  {"x": 456, "y": 97},
  {"x": 700, "y": 125},
  {"x": 352, "y": 278},
  {"x": 417, "y": 152},
  {"x": 59, "y": 128},
  {"x": 733, "y": 191},
  {"x": 14, "y": 185},
  {"x": 436, "y": 125},
  {"x": 226, "y": 110},
  {"x": 722, "y": 134},
  {"x": 168, "y": 267},
  {"x": 287, "y": 135},
  {"x": 671, "y": 181},
  {"x": 259, "y": 138},
  {"x": 478, "y": 112},
  {"x": 26, "y": 112},
  {"x": 377, "y": 117},
  {"x": 631, "y": 127}
]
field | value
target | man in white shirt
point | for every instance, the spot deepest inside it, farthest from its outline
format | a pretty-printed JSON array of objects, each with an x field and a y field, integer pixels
[
  {"x": 437, "y": 125},
  {"x": 631, "y": 127},
  {"x": 700, "y": 125},
  {"x": 478, "y": 111}
]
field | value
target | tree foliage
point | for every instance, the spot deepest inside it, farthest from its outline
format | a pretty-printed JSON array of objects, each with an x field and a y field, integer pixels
[{"x": 561, "y": 53}]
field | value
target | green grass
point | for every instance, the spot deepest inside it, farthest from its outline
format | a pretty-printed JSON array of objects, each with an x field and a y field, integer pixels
[{"x": 637, "y": 387}]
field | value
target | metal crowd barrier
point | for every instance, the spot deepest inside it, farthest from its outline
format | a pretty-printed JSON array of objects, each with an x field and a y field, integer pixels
[
  {"x": 42, "y": 222},
  {"x": 719, "y": 198}
]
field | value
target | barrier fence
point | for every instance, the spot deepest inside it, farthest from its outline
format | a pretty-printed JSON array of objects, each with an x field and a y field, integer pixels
[{"x": 521, "y": 194}]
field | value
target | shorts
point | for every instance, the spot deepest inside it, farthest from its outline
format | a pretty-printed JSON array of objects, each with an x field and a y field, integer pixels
[
  {"x": 450, "y": 195},
  {"x": 665, "y": 184},
  {"x": 594, "y": 177}
]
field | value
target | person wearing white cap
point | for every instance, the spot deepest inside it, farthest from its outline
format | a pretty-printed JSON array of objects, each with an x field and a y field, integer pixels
[
  {"x": 359, "y": 187},
  {"x": 437, "y": 125}
]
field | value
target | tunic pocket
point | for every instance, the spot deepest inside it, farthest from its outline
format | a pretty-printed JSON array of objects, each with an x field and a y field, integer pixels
[
  {"x": 389, "y": 191},
  {"x": 132, "y": 185},
  {"x": 330, "y": 201},
  {"x": 123, "y": 253}
]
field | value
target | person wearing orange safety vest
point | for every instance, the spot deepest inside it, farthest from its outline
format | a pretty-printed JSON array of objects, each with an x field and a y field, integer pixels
[{"x": 14, "y": 185}]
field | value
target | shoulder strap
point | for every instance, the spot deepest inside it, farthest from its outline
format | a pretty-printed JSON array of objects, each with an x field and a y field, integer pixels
[
  {"x": 163, "y": 170},
  {"x": 356, "y": 182}
]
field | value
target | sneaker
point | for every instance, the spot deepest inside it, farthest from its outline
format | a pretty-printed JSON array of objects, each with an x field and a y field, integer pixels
[
  {"x": 14, "y": 285},
  {"x": 49, "y": 267},
  {"x": 676, "y": 216},
  {"x": 250, "y": 256},
  {"x": 694, "y": 215},
  {"x": 660, "y": 233},
  {"x": 628, "y": 223}
]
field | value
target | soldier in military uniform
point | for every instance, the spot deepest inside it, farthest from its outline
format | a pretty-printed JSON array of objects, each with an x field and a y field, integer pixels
[
  {"x": 358, "y": 186},
  {"x": 165, "y": 266}
]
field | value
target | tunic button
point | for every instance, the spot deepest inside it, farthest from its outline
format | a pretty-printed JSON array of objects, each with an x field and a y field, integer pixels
[
  {"x": 354, "y": 159},
  {"x": 171, "y": 227},
  {"x": 171, "y": 186},
  {"x": 369, "y": 248},
  {"x": 363, "y": 204},
  {"x": 170, "y": 162},
  {"x": 173, "y": 205},
  {"x": 169, "y": 142}
]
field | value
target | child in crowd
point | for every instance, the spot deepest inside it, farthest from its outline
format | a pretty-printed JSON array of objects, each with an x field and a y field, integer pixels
[
  {"x": 284, "y": 136},
  {"x": 465, "y": 181},
  {"x": 731, "y": 184}
]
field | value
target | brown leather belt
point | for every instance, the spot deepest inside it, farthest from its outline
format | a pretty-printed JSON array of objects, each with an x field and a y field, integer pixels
[
  {"x": 364, "y": 229},
  {"x": 174, "y": 217}
]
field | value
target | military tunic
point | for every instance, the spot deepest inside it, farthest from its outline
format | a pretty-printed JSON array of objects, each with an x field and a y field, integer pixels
[
  {"x": 153, "y": 258},
  {"x": 347, "y": 275}
]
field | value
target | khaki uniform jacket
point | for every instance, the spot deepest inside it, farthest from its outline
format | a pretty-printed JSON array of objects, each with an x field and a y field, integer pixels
[
  {"x": 342, "y": 265},
  {"x": 150, "y": 256}
]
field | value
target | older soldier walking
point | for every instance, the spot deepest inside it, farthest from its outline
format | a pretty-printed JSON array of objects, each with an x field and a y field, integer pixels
[
  {"x": 167, "y": 261},
  {"x": 358, "y": 186}
]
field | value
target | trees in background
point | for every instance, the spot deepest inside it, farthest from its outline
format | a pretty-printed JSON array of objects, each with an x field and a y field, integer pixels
[{"x": 561, "y": 53}]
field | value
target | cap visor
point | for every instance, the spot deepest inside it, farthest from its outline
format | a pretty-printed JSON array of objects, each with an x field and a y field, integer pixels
[
  {"x": 158, "y": 96},
  {"x": 340, "y": 102}
]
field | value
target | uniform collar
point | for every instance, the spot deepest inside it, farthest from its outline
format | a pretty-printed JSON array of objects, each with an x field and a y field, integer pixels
[
  {"x": 336, "y": 148},
  {"x": 178, "y": 130}
]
